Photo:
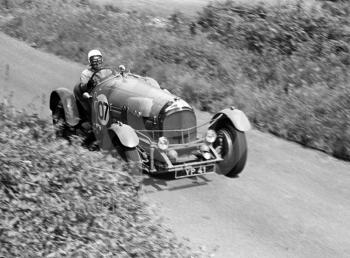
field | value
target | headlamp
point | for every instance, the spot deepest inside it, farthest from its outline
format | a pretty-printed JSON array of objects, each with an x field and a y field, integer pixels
[
  {"x": 172, "y": 155},
  {"x": 163, "y": 143},
  {"x": 205, "y": 151},
  {"x": 206, "y": 155},
  {"x": 210, "y": 137}
]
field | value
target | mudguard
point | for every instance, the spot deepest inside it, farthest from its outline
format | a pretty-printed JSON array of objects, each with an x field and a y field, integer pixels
[
  {"x": 236, "y": 116},
  {"x": 69, "y": 105},
  {"x": 126, "y": 134}
]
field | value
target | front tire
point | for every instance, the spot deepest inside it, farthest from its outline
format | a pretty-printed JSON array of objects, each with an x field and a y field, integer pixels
[
  {"x": 130, "y": 155},
  {"x": 231, "y": 144}
]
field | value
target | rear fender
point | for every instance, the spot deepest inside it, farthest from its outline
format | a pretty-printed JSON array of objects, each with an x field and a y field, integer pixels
[
  {"x": 69, "y": 105},
  {"x": 125, "y": 133},
  {"x": 237, "y": 117}
]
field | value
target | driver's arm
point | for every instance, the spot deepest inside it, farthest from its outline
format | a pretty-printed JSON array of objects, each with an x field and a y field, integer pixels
[{"x": 84, "y": 79}]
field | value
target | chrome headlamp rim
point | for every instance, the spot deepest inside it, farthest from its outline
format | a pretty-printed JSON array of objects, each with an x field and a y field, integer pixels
[
  {"x": 210, "y": 136},
  {"x": 163, "y": 143},
  {"x": 206, "y": 155}
]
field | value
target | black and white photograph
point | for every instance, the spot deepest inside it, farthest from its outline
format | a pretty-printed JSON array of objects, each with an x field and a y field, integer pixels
[{"x": 175, "y": 128}]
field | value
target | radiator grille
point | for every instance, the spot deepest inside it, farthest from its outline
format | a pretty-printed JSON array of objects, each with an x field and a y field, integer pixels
[{"x": 180, "y": 126}]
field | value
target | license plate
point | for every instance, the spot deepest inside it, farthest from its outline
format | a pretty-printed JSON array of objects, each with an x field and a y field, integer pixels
[{"x": 188, "y": 171}]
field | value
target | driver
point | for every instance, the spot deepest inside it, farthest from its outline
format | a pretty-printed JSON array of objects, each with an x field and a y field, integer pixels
[
  {"x": 95, "y": 61},
  {"x": 90, "y": 77}
]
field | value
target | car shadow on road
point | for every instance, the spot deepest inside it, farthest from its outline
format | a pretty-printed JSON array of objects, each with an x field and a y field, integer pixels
[{"x": 166, "y": 182}]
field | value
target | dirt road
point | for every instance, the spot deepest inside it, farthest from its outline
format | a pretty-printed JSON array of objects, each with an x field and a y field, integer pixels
[{"x": 288, "y": 202}]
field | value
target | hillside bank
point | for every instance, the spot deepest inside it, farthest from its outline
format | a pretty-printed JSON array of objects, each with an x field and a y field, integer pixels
[{"x": 285, "y": 66}]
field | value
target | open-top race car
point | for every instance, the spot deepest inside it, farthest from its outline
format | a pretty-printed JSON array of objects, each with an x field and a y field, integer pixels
[{"x": 150, "y": 126}]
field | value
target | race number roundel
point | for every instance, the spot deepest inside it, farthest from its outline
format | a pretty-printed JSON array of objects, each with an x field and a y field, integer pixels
[{"x": 102, "y": 109}]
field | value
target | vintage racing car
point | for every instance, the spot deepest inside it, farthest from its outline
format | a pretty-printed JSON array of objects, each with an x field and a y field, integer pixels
[{"x": 152, "y": 127}]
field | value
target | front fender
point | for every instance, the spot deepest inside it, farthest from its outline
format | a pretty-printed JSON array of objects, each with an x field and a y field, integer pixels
[
  {"x": 126, "y": 134},
  {"x": 69, "y": 105},
  {"x": 237, "y": 117}
]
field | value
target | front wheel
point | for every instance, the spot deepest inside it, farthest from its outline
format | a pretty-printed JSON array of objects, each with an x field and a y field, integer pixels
[
  {"x": 231, "y": 144},
  {"x": 130, "y": 155}
]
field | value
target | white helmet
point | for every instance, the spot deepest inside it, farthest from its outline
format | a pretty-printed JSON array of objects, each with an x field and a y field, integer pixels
[
  {"x": 94, "y": 52},
  {"x": 95, "y": 59}
]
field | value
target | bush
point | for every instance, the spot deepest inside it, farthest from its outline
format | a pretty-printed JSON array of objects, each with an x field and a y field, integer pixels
[
  {"x": 299, "y": 59},
  {"x": 59, "y": 199}
]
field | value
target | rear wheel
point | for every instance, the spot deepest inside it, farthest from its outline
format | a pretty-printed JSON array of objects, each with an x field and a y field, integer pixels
[
  {"x": 62, "y": 129},
  {"x": 231, "y": 144}
]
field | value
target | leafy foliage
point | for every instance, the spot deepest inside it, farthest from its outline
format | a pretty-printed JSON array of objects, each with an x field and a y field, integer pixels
[
  {"x": 286, "y": 66},
  {"x": 61, "y": 200},
  {"x": 299, "y": 60}
]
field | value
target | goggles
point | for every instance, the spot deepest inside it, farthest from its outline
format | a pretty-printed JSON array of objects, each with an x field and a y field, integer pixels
[{"x": 96, "y": 60}]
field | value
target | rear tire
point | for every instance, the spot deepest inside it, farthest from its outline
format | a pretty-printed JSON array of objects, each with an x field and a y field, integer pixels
[
  {"x": 232, "y": 146},
  {"x": 62, "y": 129}
]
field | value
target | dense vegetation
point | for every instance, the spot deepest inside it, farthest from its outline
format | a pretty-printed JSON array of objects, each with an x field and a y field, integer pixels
[
  {"x": 299, "y": 61},
  {"x": 61, "y": 200},
  {"x": 286, "y": 66}
]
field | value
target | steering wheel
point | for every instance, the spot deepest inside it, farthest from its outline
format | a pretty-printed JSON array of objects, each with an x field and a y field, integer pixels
[{"x": 92, "y": 83}]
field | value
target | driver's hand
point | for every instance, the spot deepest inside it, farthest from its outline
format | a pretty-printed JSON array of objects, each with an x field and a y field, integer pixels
[
  {"x": 86, "y": 95},
  {"x": 90, "y": 85}
]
